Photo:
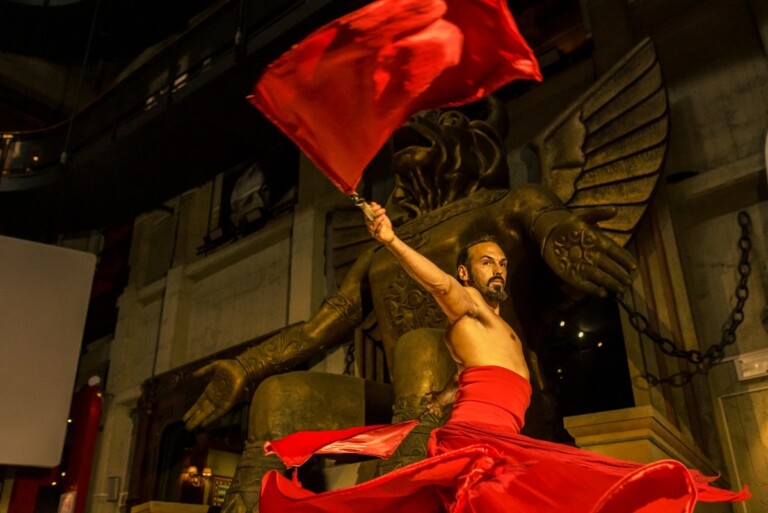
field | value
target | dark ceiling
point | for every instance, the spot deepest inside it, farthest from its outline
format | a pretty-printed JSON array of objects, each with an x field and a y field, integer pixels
[
  {"x": 141, "y": 156},
  {"x": 60, "y": 32}
]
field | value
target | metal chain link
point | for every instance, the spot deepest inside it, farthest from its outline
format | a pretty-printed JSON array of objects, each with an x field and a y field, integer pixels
[
  {"x": 703, "y": 361},
  {"x": 349, "y": 360}
]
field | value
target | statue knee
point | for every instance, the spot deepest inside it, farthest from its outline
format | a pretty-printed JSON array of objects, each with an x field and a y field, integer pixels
[
  {"x": 302, "y": 400},
  {"x": 422, "y": 362}
]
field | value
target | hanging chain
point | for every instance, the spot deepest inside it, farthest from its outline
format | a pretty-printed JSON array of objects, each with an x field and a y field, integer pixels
[
  {"x": 703, "y": 361},
  {"x": 349, "y": 360}
]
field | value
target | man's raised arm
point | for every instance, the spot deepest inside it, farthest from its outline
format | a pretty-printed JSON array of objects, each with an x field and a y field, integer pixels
[{"x": 452, "y": 298}]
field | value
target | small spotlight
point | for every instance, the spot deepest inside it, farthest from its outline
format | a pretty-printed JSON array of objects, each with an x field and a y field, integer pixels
[
  {"x": 35, "y": 158},
  {"x": 559, "y": 371},
  {"x": 581, "y": 334},
  {"x": 54, "y": 483},
  {"x": 599, "y": 344},
  {"x": 69, "y": 421},
  {"x": 63, "y": 474},
  {"x": 562, "y": 323}
]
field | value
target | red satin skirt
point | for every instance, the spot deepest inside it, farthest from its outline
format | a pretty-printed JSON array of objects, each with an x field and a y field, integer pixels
[{"x": 480, "y": 463}]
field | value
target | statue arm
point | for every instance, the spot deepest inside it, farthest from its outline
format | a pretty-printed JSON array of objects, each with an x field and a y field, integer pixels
[
  {"x": 333, "y": 324},
  {"x": 232, "y": 380},
  {"x": 572, "y": 245}
]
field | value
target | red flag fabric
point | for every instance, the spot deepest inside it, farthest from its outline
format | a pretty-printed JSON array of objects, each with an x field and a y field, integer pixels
[
  {"x": 380, "y": 440},
  {"x": 342, "y": 91}
]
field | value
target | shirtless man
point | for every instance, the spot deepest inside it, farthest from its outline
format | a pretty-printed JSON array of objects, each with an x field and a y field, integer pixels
[{"x": 476, "y": 334}]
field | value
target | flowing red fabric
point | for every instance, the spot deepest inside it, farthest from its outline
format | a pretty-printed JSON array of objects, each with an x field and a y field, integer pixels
[
  {"x": 480, "y": 463},
  {"x": 380, "y": 441},
  {"x": 342, "y": 91}
]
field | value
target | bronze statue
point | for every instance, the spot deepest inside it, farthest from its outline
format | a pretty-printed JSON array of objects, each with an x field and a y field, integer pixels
[{"x": 599, "y": 162}]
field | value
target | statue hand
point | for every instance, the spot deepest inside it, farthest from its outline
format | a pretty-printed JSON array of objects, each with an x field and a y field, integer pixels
[
  {"x": 225, "y": 389},
  {"x": 584, "y": 257},
  {"x": 435, "y": 403}
]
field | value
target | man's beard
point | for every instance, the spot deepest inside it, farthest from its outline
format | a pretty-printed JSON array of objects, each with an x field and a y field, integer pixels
[
  {"x": 492, "y": 292},
  {"x": 493, "y": 295}
]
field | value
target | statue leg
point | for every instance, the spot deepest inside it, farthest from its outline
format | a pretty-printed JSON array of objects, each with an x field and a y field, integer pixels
[
  {"x": 422, "y": 365},
  {"x": 284, "y": 404}
]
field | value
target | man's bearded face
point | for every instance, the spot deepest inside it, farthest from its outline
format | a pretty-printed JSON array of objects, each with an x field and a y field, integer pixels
[{"x": 488, "y": 271}]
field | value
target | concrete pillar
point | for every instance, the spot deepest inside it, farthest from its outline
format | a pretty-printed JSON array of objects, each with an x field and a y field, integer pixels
[{"x": 609, "y": 23}]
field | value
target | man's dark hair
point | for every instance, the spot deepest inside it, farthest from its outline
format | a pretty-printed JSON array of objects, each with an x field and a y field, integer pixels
[{"x": 463, "y": 258}]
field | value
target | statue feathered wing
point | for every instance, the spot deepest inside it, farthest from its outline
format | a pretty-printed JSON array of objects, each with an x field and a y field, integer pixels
[{"x": 607, "y": 149}]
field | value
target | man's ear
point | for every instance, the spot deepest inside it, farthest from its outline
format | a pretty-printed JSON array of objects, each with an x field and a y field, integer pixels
[{"x": 463, "y": 274}]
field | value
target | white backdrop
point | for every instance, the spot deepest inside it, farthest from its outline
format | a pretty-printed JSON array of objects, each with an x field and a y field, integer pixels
[{"x": 44, "y": 292}]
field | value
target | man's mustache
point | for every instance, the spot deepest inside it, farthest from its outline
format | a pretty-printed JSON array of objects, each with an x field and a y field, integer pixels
[{"x": 497, "y": 278}]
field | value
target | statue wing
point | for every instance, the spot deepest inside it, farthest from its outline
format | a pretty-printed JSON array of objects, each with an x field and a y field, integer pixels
[{"x": 607, "y": 149}]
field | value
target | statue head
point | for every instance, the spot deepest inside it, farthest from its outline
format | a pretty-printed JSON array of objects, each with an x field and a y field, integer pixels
[
  {"x": 482, "y": 264},
  {"x": 440, "y": 157}
]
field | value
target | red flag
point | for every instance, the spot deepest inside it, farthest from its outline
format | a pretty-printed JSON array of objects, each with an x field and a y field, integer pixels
[
  {"x": 380, "y": 440},
  {"x": 342, "y": 91}
]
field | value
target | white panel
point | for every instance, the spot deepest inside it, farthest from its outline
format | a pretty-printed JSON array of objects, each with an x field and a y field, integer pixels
[{"x": 44, "y": 292}]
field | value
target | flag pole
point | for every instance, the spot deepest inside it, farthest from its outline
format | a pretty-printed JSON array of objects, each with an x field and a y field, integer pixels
[{"x": 362, "y": 205}]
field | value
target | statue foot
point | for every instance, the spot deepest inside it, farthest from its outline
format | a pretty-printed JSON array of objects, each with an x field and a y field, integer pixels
[
  {"x": 241, "y": 502},
  {"x": 243, "y": 494},
  {"x": 414, "y": 447}
]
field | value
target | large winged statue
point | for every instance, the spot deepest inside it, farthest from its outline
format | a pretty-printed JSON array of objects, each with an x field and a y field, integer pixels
[{"x": 598, "y": 161}]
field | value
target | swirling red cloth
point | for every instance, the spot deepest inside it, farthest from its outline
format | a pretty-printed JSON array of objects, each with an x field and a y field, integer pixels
[{"x": 480, "y": 463}]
